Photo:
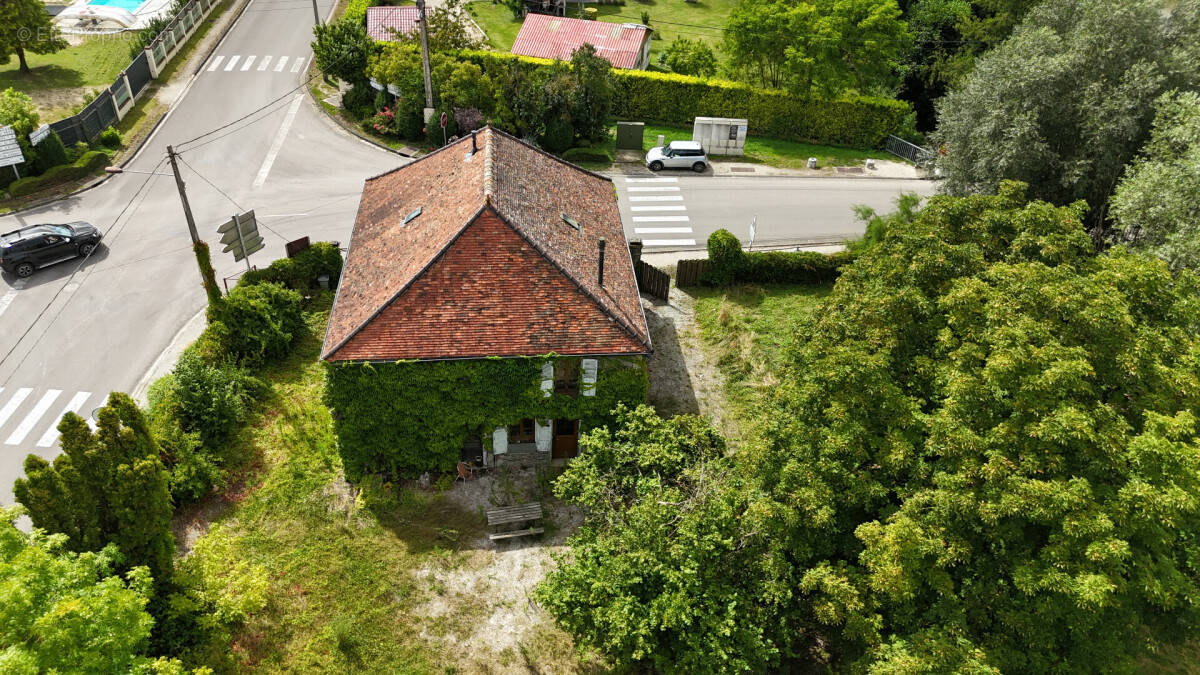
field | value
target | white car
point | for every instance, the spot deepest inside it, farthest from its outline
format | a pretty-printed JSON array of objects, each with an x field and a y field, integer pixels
[{"x": 677, "y": 155}]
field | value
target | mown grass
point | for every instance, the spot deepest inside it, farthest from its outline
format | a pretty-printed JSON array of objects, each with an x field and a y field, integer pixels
[
  {"x": 769, "y": 151},
  {"x": 94, "y": 63},
  {"x": 748, "y": 328},
  {"x": 497, "y": 23},
  {"x": 348, "y": 569}
]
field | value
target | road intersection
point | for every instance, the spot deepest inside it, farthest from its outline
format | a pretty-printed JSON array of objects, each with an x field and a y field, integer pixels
[{"x": 74, "y": 332}]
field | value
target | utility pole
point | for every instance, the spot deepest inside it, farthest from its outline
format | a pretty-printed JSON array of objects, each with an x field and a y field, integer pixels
[
  {"x": 316, "y": 16},
  {"x": 187, "y": 209},
  {"x": 425, "y": 61}
]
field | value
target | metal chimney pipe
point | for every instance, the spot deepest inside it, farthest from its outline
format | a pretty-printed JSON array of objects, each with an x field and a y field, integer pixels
[
  {"x": 635, "y": 251},
  {"x": 601, "y": 244},
  {"x": 474, "y": 148}
]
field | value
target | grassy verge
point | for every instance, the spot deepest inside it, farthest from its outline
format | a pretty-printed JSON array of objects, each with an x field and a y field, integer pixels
[
  {"x": 748, "y": 329},
  {"x": 379, "y": 580},
  {"x": 704, "y": 19}
]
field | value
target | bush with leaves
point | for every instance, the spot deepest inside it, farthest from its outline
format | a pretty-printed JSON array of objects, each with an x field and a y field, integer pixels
[
  {"x": 50, "y": 153},
  {"x": 689, "y": 57},
  {"x": 301, "y": 271},
  {"x": 342, "y": 49},
  {"x": 70, "y": 612},
  {"x": 107, "y": 487},
  {"x": 257, "y": 323},
  {"x": 725, "y": 258}
]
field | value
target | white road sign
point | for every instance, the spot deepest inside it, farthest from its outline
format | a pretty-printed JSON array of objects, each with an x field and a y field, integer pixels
[
  {"x": 39, "y": 134},
  {"x": 10, "y": 149}
]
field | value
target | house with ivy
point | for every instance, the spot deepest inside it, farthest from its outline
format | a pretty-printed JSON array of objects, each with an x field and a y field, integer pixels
[{"x": 487, "y": 307}]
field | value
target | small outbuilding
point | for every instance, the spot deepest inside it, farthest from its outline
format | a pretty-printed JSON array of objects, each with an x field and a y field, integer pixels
[
  {"x": 386, "y": 24},
  {"x": 625, "y": 45}
]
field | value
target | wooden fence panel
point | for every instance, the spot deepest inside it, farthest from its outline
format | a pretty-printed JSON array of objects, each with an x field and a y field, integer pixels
[
  {"x": 653, "y": 281},
  {"x": 689, "y": 272}
]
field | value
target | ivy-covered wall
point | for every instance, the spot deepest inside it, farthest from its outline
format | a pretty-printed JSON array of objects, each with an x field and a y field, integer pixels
[{"x": 408, "y": 417}]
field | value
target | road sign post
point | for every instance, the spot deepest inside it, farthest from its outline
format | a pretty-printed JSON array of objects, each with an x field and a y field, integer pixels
[{"x": 240, "y": 235}]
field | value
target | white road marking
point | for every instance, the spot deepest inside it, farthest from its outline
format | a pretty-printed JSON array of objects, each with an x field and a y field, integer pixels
[
  {"x": 661, "y": 188},
  {"x": 299, "y": 64},
  {"x": 282, "y": 62},
  {"x": 662, "y": 230},
  {"x": 657, "y": 198},
  {"x": 658, "y": 208},
  {"x": 279, "y": 138},
  {"x": 282, "y": 215},
  {"x": 232, "y": 62},
  {"x": 32, "y": 418},
  {"x": 7, "y": 298},
  {"x": 651, "y": 180},
  {"x": 262, "y": 65},
  {"x": 73, "y": 405},
  {"x": 669, "y": 242},
  {"x": 660, "y": 219},
  {"x": 216, "y": 62},
  {"x": 248, "y": 62},
  {"x": 13, "y": 403}
]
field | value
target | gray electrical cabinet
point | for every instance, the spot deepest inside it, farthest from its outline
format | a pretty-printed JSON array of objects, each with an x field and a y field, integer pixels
[{"x": 720, "y": 135}]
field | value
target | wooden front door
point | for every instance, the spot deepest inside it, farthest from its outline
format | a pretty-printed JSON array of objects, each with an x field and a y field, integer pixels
[{"x": 566, "y": 439}]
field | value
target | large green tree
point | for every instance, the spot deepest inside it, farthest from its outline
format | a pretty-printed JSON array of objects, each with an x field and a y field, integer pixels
[
  {"x": 824, "y": 47},
  {"x": 1067, "y": 101},
  {"x": 68, "y": 612},
  {"x": 342, "y": 49},
  {"x": 25, "y": 26},
  {"x": 983, "y": 456},
  {"x": 1157, "y": 204},
  {"x": 107, "y": 487}
]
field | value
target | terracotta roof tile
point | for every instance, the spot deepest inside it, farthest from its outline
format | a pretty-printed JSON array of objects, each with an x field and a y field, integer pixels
[{"x": 489, "y": 267}]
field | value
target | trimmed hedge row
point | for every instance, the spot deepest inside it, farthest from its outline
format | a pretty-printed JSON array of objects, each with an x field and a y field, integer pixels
[
  {"x": 82, "y": 167},
  {"x": 859, "y": 121},
  {"x": 587, "y": 155},
  {"x": 729, "y": 264},
  {"x": 300, "y": 272}
]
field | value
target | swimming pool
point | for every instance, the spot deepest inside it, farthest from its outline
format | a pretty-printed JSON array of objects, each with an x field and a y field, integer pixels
[{"x": 127, "y": 5}]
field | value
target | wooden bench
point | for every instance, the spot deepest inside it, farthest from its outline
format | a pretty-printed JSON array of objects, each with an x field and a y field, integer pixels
[{"x": 514, "y": 514}]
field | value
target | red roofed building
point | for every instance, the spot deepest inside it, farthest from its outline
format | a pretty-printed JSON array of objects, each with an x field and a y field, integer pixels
[
  {"x": 625, "y": 45},
  {"x": 486, "y": 248},
  {"x": 385, "y": 24}
]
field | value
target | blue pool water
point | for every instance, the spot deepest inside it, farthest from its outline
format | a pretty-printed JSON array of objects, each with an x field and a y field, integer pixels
[{"x": 128, "y": 5}]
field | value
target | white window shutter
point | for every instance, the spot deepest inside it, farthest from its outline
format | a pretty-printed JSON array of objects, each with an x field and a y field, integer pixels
[
  {"x": 541, "y": 434},
  {"x": 500, "y": 441},
  {"x": 589, "y": 367},
  {"x": 547, "y": 379}
]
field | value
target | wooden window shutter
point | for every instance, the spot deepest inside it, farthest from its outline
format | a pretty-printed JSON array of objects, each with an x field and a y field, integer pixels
[
  {"x": 500, "y": 441},
  {"x": 541, "y": 435},
  {"x": 547, "y": 379},
  {"x": 589, "y": 366}
]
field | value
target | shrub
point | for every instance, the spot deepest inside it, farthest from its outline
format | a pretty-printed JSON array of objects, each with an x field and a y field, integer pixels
[
  {"x": 211, "y": 399},
  {"x": 858, "y": 121},
  {"x": 259, "y": 322},
  {"x": 599, "y": 155},
  {"x": 84, "y": 166},
  {"x": 50, "y": 153},
  {"x": 359, "y": 100},
  {"x": 729, "y": 264},
  {"x": 300, "y": 272},
  {"x": 110, "y": 138},
  {"x": 557, "y": 136},
  {"x": 468, "y": 119},
  {"x": 724, "y": 258},
  {"x": 433, "y": 130}
]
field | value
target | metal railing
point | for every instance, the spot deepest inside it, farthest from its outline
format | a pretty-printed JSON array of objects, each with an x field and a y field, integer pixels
[{"x": 913, "y": 153}]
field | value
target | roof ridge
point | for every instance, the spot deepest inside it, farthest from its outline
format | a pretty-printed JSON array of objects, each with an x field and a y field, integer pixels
[{"x": 488, "y": 158}]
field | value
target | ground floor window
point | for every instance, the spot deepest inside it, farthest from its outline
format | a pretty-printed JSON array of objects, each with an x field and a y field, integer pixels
[{"x": 521, "y": 432}]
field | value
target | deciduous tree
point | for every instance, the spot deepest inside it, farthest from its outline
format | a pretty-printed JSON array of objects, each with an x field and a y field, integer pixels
[
  {"x": 689, "y": 57},
  {"x": 25, "y": 26},
  {"x": 342, "y": 49}
]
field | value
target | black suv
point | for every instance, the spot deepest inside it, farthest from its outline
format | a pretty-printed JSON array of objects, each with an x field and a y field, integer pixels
[{"x": 23, "y": 251}]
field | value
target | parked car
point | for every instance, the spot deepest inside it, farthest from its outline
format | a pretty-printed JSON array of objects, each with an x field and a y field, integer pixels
[
  {"x": 677, "y": 155},
  {"x": 25, "y": 250}
]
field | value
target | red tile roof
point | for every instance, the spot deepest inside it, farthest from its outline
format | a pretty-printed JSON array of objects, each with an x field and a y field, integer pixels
[
  {"x": 557, "y": 37},
  {"x": 384, "y": 22},
  {"x": 489, "y": 267}
]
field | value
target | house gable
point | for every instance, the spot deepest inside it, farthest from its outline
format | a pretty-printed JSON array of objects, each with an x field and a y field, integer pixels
[{"x": 490, "y": 293}]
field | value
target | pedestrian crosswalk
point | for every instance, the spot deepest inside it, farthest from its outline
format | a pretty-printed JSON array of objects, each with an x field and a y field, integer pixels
[
  {"x": 239, "y": 63},
  {"x": 29, "y": 417},
  {"x": 654, "y": 203}
]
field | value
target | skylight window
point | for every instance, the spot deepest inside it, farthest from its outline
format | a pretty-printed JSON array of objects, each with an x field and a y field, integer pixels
[
  {"x": 412, "y": 216},
  {"x": 570, "y": 221}
]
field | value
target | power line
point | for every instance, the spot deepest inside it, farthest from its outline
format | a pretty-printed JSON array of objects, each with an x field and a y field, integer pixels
[
  {"x": 226, "y": 196},
  {"x": 57, "y": 294}
]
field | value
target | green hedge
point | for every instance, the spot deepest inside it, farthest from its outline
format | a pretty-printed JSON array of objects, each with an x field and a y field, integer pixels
[
  {"x": 84, "y": 166},
  {"x": 300, "y": 272},
  {"x": 729, "y": 264},
  {"x": 587, "y": 155},
  {"x": 404, "y": 418},
  {"x": 859, "y": 121}
]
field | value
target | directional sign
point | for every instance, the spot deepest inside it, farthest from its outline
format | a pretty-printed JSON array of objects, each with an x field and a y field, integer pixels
[
  {"x": 39, "y": 134},
  {"x": 10, "y": 149},
  {"x": 240, "y": 235},
  {"x": 375, "y": 85},
  {"x": 393, "y": 90}
]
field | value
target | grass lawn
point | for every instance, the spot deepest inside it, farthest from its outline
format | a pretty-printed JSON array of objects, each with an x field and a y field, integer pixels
[
  {"x": 58, "y": 81},
  {"x": 501, "y": 29},
  {"x": 381, "y": 580},
  {"x": 748, "y": 328}
]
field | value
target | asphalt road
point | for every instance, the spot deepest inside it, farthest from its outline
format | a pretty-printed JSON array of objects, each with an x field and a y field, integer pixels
[
  {"x": 670, "y": 212},
  {"x": 72, "y": 333}
]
